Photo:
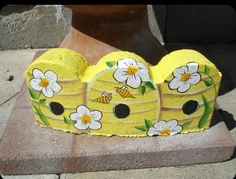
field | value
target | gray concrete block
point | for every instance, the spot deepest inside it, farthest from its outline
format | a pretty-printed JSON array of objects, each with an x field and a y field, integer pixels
[
  {"x": 9, "y": 9},
  {"x": 200, "y": 23},
  {"x": 39, "y": 27},
  {"x": 224, "y": 170},
  {"x": 45, "y": 176},
  {"x": 12, "y": 62}
]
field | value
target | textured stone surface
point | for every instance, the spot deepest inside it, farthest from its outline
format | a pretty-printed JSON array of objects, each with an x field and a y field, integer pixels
[
  {"x": 50, "y": 176},
  {"x": 203, "y": 171},
  {"x": 12, "y": 63},
  {"x": 29, "y": 149},
  {"x": 39, "y": 27}
]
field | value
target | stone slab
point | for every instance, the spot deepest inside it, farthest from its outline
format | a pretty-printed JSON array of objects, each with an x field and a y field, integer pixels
[
  {"x": 225, "y": 170},
  {"x": 26, "y": 148},
  {"x": 12, "y": 63},
  {"x": 50, "y": 176},
  {"x": 39, "y": 26}
]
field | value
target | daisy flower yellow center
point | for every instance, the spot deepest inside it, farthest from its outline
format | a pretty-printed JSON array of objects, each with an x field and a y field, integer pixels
[
  {"x": 86, "y": 119},
  {"x": 165, "y": 132},
  {"x": 132, "y": 70},
  {"x": 185, "y": 77},
  {"x": 44, "y": 82}
]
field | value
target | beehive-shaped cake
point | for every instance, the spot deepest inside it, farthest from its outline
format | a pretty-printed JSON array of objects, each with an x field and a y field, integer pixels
[{"x": 122, "y": 94}]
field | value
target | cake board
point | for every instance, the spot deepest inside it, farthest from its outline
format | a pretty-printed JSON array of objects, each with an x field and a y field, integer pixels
[{"x": 26, "y": 148}]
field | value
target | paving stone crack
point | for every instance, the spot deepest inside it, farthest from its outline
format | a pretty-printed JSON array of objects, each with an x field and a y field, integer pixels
[{"x": 4, "y": 102}]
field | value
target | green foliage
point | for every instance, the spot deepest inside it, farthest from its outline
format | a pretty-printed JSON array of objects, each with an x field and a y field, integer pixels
[
  {"x": 186, "y": 124},
  {"x": 41, "y": 115},
  {"x": 148, "y": 123},
  {"x": 206, "y": 113},
  {"x": 208, "y": 82},
  {"x": 141, "y": 128},
  {"x": 149, "y": 84},
  {"x": 33, "y": 94},
  {"x": 207, "y": 70},
  {"x": 142, "y": 89},
  {"x": 67, "y": 120},
  {"x": 42, "y": 101},
  {"x": 110, "y": 64}
]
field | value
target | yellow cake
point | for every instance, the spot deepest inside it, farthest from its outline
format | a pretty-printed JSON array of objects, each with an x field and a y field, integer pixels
[{"x": 122, "y": 94}]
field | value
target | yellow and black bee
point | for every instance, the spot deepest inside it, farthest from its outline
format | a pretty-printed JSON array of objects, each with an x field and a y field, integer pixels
[
  {"x": 124, "y": 92},
  {"x": 105, "y": 98}
]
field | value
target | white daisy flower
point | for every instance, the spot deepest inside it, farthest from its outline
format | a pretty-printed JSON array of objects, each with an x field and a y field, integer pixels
[
  {"x": 184, "y": 77},
  {"x": 86, "y": 119},
  {"x": 164, "y": 128},
  {"x": 47, "y": 83},
  {"x": 131, "y": 72}
]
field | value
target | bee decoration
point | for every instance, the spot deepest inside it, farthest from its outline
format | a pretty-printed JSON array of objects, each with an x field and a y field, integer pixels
[
  {"x": 105, "y": 98},
  {"x": 124, "y": 92}
]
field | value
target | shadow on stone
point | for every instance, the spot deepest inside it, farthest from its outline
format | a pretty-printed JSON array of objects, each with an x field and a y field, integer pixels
[
  {"x": 9, "y": 9},
  {"x": 221, "y": 115},
  {"x": 216, "y": 118},
  {"x": 228, "y": 119},
  {"x": 234, "y": 155},
  {"x": 227, "y": 83}
]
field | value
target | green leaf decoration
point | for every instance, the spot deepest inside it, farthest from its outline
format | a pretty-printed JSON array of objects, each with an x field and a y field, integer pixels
[
  {"x": 33, "y": 94},
  {"x": 148, "y": 123},
  {"x": 67, "y": 120},
  {"x": 42, "y": 101},
  {"x": 208, "y": 82},
  {"x": 142, "y": 89},
  {"x": 110, "y": 64},
  {"x": 207, "y": 70},
  {"x": 206, "y": 113},
  {"x": 41, "y": 115},
  {"x": 141, "y": 128},
  {"x": 186, "y": 124},
  {"x": 150, "y": 85}
]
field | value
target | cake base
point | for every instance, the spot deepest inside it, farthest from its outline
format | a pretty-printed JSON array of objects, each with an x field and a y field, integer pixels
[{"x": 26, "y": 148}]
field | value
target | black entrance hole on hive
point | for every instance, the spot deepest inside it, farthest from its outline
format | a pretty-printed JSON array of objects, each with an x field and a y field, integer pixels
[
  {"x": 121, "y": 111},
  {"x": 190, "y": 107},
  {"x": 56, "y": 108}
]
